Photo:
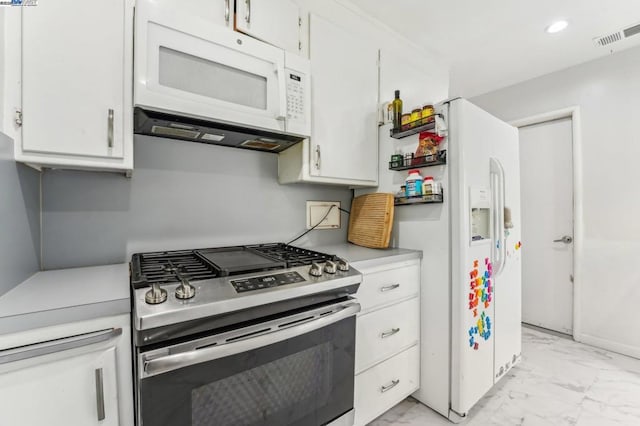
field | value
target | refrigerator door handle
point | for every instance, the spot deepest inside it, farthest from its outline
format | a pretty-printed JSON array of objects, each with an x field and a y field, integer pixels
[{"x": 499, "y": 249}]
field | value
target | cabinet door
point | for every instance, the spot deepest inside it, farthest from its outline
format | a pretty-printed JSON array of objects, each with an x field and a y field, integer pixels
[
  {"x": 54, "y": 391},
  {"x": 218, "y": 12},
  {"x": 73, "y": 77},
  {"x": 344, "y": 96},
  {"x": 273, "y": 21}
]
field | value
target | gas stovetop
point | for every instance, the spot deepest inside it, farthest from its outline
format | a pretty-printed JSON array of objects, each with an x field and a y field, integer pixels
[
  {"x": 177, "y": 286},
  {"x": 201, "y": 264}
]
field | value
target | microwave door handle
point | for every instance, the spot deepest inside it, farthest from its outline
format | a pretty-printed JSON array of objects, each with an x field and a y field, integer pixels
[{"x": 173, "y": 362}]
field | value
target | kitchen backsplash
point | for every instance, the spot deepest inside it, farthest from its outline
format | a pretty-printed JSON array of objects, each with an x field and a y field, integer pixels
[
  {"x": 181, "y": 195},
  {"x": 19, "y": 218}
]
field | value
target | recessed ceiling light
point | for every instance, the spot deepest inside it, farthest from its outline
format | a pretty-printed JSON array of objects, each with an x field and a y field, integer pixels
[{"x": 557, "y": 26}]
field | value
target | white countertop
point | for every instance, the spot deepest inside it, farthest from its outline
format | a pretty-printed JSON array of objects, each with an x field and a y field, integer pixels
[
  {"x": 66, "y": 295},
  {"x": 364, "y": 257}
]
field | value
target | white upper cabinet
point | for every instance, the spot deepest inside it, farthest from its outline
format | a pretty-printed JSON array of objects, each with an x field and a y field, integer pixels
[
  {"x": 219, "y": 12},
  {"x": 274, "y": 21},
  {"x": 76, "y": 85},
  {"x": 343, "y": 148}
]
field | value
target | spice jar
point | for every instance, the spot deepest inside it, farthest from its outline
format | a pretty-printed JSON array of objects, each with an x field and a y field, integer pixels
[
  {"x": 406, "y": 118},
  {"x": 427, "y": 113},
  {"x": 415, "y": 117},
  {"x": 427, "y": 185}
]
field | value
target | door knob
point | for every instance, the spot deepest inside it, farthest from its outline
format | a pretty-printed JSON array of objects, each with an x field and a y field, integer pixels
[{"x": 566, "y": 239}]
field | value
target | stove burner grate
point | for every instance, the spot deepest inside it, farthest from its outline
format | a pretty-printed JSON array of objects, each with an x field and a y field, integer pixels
[
  {"x": 292, "y": 256},
  {"x": 161, "y": 267}
]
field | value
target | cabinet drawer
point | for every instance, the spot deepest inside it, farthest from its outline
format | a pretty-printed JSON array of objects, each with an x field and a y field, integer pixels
[
  {"x": 382, "y": 287},
  {"x": 382, "y": 333},
  {"x": 383, "y": 386}
]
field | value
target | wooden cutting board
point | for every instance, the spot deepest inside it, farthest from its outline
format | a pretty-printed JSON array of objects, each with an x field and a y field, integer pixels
[{"x": 371, "y": 220}]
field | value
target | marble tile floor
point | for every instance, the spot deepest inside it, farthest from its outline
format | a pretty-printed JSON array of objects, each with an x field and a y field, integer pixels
[{"x": 559, "y": 382}]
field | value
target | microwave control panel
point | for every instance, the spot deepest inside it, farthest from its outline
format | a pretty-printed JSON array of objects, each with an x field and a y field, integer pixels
[
  {"x": 297, "y": 76},
  {"x": 295, "y": 96}
]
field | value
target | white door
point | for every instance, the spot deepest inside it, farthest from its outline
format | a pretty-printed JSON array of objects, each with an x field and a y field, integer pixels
[
  {"x": 344, "y": 95},
  {"x": 273, "y": 21},
  {"x": 546, "y": 168},
  {"x": 60, "y": 390},
  {"x": 73, "y": 77}
]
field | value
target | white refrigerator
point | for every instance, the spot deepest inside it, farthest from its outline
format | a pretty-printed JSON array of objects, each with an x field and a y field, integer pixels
[{"x": 471, "y": 270}]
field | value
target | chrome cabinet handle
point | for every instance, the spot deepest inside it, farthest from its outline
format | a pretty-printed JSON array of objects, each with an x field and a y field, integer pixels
[
  {"x": 389, "y": 287},
  {"x": 391, "y": 385},
  {"x": 247, "y": 16},
  {"x": 100, "y": 394},
  {"x": 110, "y": 128},
  {"x": 389, "y": 333},
  {"x": 566, "y": 239},
  {"x": 50, "y": 347},
  {"x": 318, "y": 157},
  {"x": 227, "y": 10}
]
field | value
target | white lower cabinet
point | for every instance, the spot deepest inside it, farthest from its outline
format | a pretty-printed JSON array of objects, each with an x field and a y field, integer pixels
[
  {"x": 387, "y": 338},
  {"x": 384, "y": 332},
  {"x": 383, "y": 386},
  {"x": 78, "y": 390},
  {"x": 71, "y": 375}
]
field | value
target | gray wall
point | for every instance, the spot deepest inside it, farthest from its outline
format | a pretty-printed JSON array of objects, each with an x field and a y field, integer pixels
[
  {"x": 19, "y": 219},
  {"x": 181, "y": 195},
  {"x": 607, "y": 91}
]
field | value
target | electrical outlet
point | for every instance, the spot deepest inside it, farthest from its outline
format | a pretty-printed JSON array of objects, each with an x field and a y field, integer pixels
[{"x": 316, "y": 210}]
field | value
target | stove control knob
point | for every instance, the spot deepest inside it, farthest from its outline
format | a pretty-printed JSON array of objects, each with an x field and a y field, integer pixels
[
  {"x": 315, "y": 270},
  {"x": 343, "y": 265},
  {"x": 185, "y": 290},
  {"x": 155, "y": 295},
  {"x": 330, "y": 267}
]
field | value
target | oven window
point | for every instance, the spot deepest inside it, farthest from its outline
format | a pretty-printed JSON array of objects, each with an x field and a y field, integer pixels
[
  {"x": 306, "y": 380},
  {"x": 300, "y": 379},
  {"x": 214, "y": 80}
]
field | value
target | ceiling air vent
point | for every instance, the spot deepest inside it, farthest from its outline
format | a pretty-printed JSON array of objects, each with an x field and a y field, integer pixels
[{"x": 618, "y": 35}]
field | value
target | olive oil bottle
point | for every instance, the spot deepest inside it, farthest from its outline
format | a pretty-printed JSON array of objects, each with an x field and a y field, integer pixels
[{"x": 397, "y": 112}]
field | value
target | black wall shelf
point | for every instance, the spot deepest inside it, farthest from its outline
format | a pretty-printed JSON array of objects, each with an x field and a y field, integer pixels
[
  {"x": 417, "y": 162},
  {"x": 419, "y": 199},
  {"x": 400, "y": 134}
]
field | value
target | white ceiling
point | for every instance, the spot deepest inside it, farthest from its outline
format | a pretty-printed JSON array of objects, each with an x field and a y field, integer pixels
[{"x": 491, "y": 44}]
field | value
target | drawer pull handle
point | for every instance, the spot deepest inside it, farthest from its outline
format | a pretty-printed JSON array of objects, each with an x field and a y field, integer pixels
[
  {"x": 390, "y": 386},
  {"x": 389, "y": 287},
  {"x": 389, "y": 333}
]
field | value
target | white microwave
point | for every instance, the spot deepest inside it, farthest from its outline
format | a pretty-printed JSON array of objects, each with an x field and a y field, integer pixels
[{"x": 197, "y": 81}]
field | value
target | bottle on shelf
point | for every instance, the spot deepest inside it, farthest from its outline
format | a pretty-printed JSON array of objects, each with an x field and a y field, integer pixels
[
  {"x": 397, "y": 111},
  {"x": 413, "y": 183}
]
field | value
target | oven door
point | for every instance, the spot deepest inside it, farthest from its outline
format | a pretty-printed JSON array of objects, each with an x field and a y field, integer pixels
[
  {"x": 184, "y": 64},
  {"x": 293, "y": 370}
]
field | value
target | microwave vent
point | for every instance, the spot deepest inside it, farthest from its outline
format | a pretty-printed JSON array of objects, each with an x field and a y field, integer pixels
[
  {"x": 174, "y": 132},
  {"x": 174, "y": 125}
]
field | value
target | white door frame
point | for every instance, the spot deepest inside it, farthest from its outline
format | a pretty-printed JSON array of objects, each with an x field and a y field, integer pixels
[{"x": 578, "y": 229}]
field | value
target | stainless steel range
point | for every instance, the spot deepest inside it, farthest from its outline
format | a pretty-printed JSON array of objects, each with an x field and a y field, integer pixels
[{"x": 245, "y": 335}]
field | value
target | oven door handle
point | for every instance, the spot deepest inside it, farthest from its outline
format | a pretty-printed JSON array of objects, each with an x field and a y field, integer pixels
[{"x": 173, "y": 362}]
